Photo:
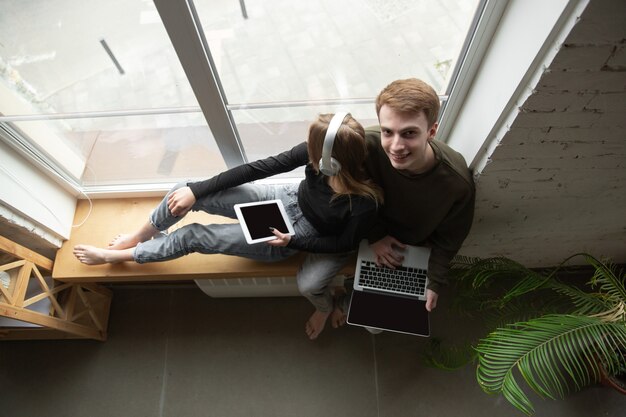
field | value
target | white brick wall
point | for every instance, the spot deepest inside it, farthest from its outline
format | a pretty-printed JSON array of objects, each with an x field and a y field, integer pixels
[{"x": 556, "y": 183}]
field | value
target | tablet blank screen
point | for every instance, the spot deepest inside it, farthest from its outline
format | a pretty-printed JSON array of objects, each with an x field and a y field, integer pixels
[{"x": 260, "y": 218}]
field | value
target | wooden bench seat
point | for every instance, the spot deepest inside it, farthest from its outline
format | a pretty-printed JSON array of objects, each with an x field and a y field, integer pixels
[{"x": 110, "y": 217}]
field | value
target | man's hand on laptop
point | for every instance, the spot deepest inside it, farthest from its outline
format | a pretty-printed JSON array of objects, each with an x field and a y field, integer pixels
[
  {"x": 431, "y": 299},
  {"x": 387, "y": 251}
]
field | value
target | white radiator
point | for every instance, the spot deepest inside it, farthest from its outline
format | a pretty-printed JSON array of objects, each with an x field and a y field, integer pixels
[{"x": 254, "y": 287}]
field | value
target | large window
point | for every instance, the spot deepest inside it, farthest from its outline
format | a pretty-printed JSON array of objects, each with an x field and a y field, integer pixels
[{"x": 131, "y": 93}]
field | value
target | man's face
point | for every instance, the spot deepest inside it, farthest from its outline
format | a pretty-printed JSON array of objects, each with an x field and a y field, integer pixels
[{"x": 405, "y": 137}]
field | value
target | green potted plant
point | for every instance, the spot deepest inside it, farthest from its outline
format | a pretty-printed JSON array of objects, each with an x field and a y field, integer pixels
[{"x": 569, "y": 335}]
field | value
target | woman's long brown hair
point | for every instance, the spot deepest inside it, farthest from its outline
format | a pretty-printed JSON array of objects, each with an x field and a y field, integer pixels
[{"x": 350, "y": 150}]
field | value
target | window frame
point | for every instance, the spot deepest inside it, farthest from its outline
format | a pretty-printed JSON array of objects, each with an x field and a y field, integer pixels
[{"x": 183, "y": 27}]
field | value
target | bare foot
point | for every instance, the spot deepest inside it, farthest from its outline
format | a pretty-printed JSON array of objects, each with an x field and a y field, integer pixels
[
  {"x": 338, "y": 317},
  {"x": 90, "y": 255},
  {"x": 130, "y": 240},
  {"x": 124, "y": 241},
  {"x": 316, "y": 324}
]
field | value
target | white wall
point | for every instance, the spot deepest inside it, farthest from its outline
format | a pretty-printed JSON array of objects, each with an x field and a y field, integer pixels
[
  {"x": 552, "y": 181},
  {"x": 523, "y": 42}
]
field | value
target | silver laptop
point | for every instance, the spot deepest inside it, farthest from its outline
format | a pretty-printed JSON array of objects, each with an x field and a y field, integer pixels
[{"x": 391, "y": 299}]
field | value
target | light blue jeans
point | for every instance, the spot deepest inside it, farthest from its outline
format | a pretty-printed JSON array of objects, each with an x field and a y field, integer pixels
[{"x": 315, "y": 273}]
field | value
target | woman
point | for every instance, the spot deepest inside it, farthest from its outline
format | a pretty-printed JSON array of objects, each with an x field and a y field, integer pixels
[{"x": 329, "y": 213}]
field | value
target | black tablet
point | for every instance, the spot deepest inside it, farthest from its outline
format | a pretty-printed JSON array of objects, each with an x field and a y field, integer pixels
[{"x": 258, "y": 217}]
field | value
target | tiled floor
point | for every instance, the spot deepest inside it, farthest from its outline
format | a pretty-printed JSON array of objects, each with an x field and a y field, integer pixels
[{"x": 173, "y": 351}]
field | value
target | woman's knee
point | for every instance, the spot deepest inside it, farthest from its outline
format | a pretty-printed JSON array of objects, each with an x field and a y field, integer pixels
[
  {"x": 187, "y": 239},
  {"x": 176, "y": 187},
  {"x": 310, "y": 284}
]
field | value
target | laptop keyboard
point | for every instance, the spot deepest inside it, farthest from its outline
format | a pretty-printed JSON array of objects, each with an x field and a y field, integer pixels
[{"x": 405, "y": 280}]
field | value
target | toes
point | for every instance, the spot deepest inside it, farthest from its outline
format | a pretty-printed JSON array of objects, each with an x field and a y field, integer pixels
[
  {"x": 115, "y": 240},
  {"x": 313, "y": 335},
  {"x": 311, "y": 331}
]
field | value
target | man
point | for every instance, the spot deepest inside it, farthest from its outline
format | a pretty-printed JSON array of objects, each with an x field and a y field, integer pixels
[
  {"x": 428, "y": 188},
  {"x": 429, "y": 192}
]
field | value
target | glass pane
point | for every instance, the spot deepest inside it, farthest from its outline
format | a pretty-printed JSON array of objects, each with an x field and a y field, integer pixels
[
  {"x": 110, "y": 57},
  {"x": 289, "y": 50},
  {"x": 266, "y": 132},
  {"x": 163, "y": 148},
  {"x": 276, "y": 58},
  {"x": 89, "y": 55},
  {"x": 115, "y": 58}
]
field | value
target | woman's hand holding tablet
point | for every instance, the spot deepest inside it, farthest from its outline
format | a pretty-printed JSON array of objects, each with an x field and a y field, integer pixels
[{"x": 258, "y": 218}]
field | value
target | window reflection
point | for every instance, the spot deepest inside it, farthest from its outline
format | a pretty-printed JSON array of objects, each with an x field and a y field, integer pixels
[
  {"x": 301, "y": 51},
  {"x": 52, "y": 53},
  {"x": 144, "y": 149},
  {"x": 262, "y": 138},
  {"x": 115, "y": 58},
  {"x": 325, "y": 49}
]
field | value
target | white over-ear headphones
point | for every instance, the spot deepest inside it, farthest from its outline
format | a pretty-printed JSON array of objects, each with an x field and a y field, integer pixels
[{"x": 328, "y": 165}]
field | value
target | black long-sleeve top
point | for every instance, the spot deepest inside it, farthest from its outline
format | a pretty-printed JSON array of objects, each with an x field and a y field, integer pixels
[{"x": 341, "y": 222}]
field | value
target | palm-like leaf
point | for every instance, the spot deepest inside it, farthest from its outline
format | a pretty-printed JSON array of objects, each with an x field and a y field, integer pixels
[
  {"x": 554, "y": 351},
  {"x": 517, "y": 310},
  {"x": 584, "y": 303},
  {"x": 548, "y": 352},
  {"x": 482, "y": 273},
  {"x": 610, "y": 281}
]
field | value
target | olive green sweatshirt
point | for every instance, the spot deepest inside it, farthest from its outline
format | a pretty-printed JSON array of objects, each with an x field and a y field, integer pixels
[{"x": 433, "y": 209}]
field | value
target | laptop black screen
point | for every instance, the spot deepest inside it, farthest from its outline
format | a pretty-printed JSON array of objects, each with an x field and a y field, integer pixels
[{"x": 400, "y": 314}]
